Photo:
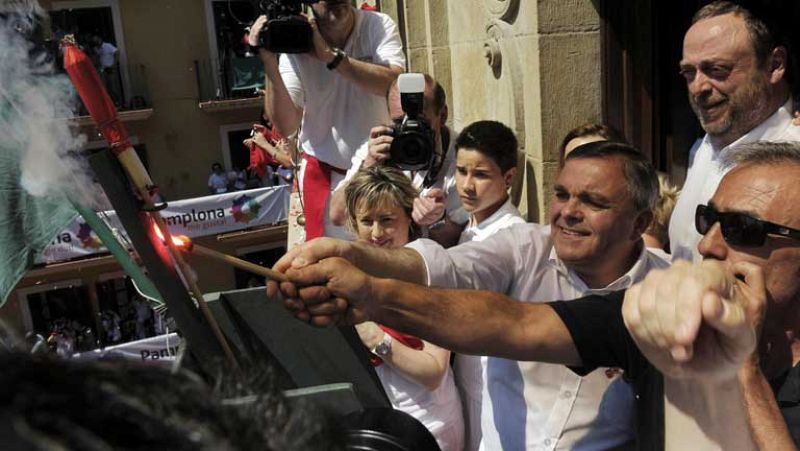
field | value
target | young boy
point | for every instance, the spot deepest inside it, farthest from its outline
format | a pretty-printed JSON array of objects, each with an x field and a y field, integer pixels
[{"x": 486, "y": 160}]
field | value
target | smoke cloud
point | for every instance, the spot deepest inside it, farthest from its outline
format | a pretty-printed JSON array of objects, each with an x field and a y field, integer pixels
[{"x": 35, "y": 105}]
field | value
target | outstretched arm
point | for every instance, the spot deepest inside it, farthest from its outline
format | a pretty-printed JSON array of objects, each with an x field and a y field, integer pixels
[{"x": 466, "y": 321}]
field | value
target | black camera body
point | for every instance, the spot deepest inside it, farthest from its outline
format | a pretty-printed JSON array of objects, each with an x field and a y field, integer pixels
[
  {"x": 287, "y": 31},
  {"x": 413, "y": 146}
]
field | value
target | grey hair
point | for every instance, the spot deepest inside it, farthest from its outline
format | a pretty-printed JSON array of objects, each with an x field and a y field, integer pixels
[
  {"x": 763, "y": 153},
  {"x": 640, "y": 175}
]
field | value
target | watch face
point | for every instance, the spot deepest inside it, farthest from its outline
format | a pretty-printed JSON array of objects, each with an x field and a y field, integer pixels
[{"x": 383, "y": 348}]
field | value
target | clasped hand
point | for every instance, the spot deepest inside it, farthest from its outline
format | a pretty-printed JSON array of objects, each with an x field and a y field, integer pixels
[{"x": 323, "y": 288}]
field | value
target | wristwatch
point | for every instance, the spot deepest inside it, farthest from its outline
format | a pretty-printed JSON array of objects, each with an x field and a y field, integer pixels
[
  {"x": 340, "y": 55},
  {"x": 383, "y": 348}
]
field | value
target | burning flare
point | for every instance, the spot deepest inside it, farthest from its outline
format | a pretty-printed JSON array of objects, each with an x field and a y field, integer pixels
[{"x": 182, "y": 242}]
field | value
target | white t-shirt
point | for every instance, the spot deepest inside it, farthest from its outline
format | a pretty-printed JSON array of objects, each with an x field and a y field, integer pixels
[
  {"x": 469, "y": 369},
  {"x": 218, "y": 182},
  {"x": 105, "y": 54},
  {"x": 445, "y": 180},
  {"x": 438, "y": 410},
  {"x": 338, "y": 114},
  {"x": 706, "y": 171},
  {"x": 533, "y": 405}
]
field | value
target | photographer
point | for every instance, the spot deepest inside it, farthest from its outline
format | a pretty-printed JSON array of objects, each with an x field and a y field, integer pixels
[
  {"x": 333, "y": 94},
  {"x": 438, "y": 208}
]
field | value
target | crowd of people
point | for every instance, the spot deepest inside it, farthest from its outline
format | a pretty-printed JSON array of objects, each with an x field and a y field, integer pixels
[
  {"x": 620, "y": 322},
  {"x": 640, "y": 316}
]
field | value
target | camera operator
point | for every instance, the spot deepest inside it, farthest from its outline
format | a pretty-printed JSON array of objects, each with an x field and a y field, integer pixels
[
  {"x": 438, "y": 209},
  {"x": 333, "y": 94}
]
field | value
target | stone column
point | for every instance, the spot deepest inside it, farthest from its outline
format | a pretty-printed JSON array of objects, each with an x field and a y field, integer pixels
[{"x": 534, "y": 66}]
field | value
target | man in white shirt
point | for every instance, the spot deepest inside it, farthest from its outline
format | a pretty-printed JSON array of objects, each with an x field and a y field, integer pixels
[
  {"x": 438, "y": 209},
  {"x": 735, "y": 71},
  {"x": 107, "y": 56},
  {"x": 217, "y": 181},
  {"x": 602, "y": 203},
  {"x": 333, "y": 94}
]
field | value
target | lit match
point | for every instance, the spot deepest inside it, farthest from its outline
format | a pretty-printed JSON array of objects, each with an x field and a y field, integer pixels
[{"x": 184, "y": 244}]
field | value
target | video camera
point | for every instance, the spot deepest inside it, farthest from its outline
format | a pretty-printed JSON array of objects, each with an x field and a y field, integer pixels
[
  {"x": 414, "y": 140},
  {"x": 287, "y": 31}
]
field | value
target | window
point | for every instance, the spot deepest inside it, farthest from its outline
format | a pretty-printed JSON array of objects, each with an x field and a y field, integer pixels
[
  {"x": 235, "y": 71},
  {"x": 88, "y": 18},
  {"x": 235, "y": 155},
  {"x": 63, "y": 309}
]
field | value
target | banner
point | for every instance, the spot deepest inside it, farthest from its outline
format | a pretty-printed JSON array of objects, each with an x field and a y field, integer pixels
[
  {"x": 200, "y": 216},
  {"x": 161, "y": 350}
]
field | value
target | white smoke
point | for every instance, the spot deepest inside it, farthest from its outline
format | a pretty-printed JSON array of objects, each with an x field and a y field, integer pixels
[{"x": 35, "y": 105}]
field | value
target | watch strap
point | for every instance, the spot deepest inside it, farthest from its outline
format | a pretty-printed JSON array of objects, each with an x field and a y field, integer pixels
[{"x": 340, "y": 55}]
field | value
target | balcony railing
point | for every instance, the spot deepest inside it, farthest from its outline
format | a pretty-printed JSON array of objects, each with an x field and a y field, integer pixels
[{"x": 229, "y": 83}]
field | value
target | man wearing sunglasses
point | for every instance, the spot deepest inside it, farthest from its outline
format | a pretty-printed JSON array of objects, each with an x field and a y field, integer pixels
[
  {"x": 697, "y": 321},
  {"x": 735, "y": 67}
]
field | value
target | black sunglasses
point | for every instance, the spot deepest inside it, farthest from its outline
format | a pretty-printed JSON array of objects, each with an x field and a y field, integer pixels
[{"x": 739, "y": 228}]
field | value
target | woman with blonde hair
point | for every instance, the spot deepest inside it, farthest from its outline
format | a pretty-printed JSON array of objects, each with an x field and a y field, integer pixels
[{"x": 415, "y": 374}]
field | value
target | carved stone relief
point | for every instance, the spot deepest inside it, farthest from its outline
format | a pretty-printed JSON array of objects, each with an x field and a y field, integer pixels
[{"x": 505, "y": 10}]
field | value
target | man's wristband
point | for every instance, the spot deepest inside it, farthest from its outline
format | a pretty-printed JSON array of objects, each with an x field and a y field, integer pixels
[{"x": 340, "y": 55}]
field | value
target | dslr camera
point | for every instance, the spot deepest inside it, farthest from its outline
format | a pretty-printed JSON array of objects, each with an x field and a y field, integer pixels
[
  {"x": 412, "y": 148},
  {"x": 287, "y": 31}
]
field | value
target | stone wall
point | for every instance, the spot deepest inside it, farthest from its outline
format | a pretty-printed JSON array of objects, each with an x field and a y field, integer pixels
[{"x": 534, "y": 65}]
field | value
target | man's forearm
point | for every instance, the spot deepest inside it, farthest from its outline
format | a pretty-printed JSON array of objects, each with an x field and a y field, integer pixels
[
  {"x": 280, "y": 107},
  {"x": 473, "y": 322},
  {"x": 763, "y": 415},
  {"x": 402, "y": 264},
  {"x": 705, "y": 415},
  {"x": 373, "y": 78}
]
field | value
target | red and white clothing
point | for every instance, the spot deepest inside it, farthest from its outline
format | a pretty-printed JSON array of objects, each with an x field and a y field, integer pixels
[
  {"x": 337, "y": 113},
  {"x": 438, "y": 410},
  {"x": 532, "y": 405}
]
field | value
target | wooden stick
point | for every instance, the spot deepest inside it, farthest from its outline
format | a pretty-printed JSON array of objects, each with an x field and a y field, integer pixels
[{"x": 239, "y": 263}]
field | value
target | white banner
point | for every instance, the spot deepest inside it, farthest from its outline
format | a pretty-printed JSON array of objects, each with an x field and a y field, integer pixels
[
  {"x": 200, "y": 216},
  {"x": 162, "y": 349}
]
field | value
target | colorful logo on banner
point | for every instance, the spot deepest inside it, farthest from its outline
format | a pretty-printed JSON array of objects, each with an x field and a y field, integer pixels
[
  {"x": 87, "y": 238},
  {"x": 245, "y": 209}
]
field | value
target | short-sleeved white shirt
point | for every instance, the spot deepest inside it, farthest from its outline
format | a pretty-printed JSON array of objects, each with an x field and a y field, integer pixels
[
  {"x": 706, "y": 170},
  {"x": 438, "y": 410},
  {"x": 338, "y": 114},
  {"x": 218, "y": 182},
  {"x": 534, "y": 405},
  {"x": 445, "y": 180},
  {"x": 105, "y": 54}
]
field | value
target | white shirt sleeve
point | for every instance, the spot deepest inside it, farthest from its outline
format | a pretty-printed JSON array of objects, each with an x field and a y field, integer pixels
[
  {"x": 485, "y": 265},
  {"x": 390, "y": 47},
  {"x": 289, "y": 68}
]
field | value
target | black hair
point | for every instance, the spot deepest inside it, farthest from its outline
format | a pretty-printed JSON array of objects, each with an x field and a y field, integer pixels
[
  {"x": 48, "y": 403},
  {"x": 493, "y": 139}
]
